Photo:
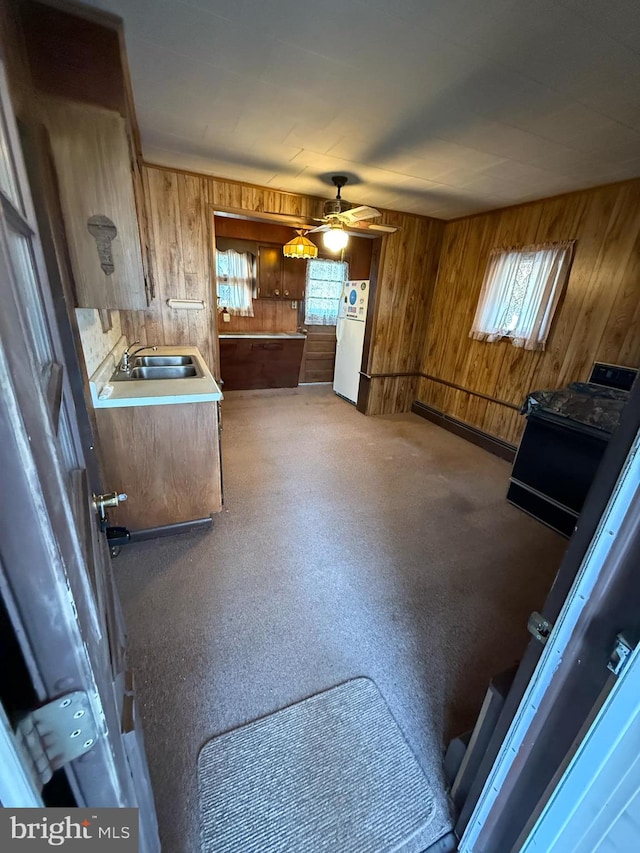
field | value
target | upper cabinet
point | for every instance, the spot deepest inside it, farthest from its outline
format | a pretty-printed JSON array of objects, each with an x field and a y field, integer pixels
[
  {"x": 77, "y": 68},
  {"x": 93, "y": 163},
  {"x": 280, "y": 277}
]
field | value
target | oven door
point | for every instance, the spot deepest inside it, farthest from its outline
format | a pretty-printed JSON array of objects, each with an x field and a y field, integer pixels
[{"x": 554, "y": 468}]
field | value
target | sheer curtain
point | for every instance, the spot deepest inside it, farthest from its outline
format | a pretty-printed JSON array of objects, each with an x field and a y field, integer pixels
[
  {"x": 234, "y": 282},
  {"x": 325, "y": 280},
  {"x": 520, "y": 293}
]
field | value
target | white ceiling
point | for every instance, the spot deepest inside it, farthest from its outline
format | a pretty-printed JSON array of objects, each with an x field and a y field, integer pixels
[{"x": 439, "y": 107}]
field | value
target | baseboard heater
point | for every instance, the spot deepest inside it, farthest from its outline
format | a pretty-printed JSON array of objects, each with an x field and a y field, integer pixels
[{"x": 476, "y": 436}]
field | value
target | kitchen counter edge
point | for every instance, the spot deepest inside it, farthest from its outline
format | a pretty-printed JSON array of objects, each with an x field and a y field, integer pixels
[{"x": 150, "y": 392}]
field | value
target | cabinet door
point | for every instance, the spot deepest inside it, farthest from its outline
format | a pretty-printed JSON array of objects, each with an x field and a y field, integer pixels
[
  {"x": 294, "y": 275},
  {"x": 270, "y": 271},
  {"x": 93, "y": 165}
]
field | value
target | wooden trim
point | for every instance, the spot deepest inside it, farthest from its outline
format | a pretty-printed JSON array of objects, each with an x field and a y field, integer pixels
[
  {"x": 469, "y": 391},
  {"x": 476, "y": 436},
  {"x": 390, "y": 375},
  {"x": 442, "y": 382},
  {"x": 374, "y": 269},
  {"x": 363, "y": 393},
  {"x": 287, "y": 220}
]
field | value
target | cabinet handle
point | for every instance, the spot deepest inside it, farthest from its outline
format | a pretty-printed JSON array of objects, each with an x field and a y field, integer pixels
[
  {"x": 277, "y": 292},
  {"x": 286, "y": 293}
]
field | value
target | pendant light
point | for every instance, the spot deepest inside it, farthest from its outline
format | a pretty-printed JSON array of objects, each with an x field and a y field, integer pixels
[
  {"x": 300, "y": 247},
  {"x": 336, "y": 238}
]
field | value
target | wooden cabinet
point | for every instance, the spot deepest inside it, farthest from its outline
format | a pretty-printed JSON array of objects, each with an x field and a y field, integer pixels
[
  {"x": 294, "y": 277},
  {"x": 93, "y": 163},
  {"x": 166, "y": 459},
  {"x": 270, "y": 271},
  {"x": 247, "y": 363},
  {"x": 279, "y": 277}
]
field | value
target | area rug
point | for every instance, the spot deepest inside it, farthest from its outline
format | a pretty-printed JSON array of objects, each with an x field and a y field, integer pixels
[{"x": 330, "y": 773}]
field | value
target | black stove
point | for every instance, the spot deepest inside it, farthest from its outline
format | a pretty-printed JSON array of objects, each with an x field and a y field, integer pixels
[{"x": 565, "y": 438}]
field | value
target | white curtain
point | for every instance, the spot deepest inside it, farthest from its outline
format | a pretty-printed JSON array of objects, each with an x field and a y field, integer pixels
[
  {"x": 325, "y": 281},
  {"x": 234, "y": 282},
  {"x": 520, "y": 293}
]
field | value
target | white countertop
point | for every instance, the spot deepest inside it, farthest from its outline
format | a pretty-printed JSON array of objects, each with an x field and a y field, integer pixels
[
  {"x": 231, "y": 335},
  {"x": 152, "y": 392}
]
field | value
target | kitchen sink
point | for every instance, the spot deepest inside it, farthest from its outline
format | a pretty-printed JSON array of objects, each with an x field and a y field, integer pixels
[
  {"x": 161, "y": 360},
  {"x": 175, "y": 371}
]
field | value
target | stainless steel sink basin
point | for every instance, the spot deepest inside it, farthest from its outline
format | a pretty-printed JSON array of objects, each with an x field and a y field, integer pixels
[
  {"x": 176, "y": 371},
  {"x": 161, "y": 360}
]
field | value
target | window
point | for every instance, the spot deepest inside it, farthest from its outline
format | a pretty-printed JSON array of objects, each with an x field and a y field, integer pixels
[
  {"x": 234, "y": 282},
  {"x": 325, "y": 280},
  {"x": 520, "y": 293}
]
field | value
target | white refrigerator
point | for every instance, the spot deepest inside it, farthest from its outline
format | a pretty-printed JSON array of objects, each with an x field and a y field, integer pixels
[{"x": 352, "y": 316}]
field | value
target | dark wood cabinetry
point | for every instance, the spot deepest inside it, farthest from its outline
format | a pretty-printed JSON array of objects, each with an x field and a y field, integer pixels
[
  {"x": 260, "y": 362},
  {"x": 279, "y": 277}
]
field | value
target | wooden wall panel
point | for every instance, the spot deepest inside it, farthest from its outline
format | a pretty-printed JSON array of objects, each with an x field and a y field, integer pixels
[
  {"x": 598, "y": 318},
  {"x": 408, "y": 264},
  {"x": 179, "y": 242},
  {"x": 179, "y": 206},
  {"x": 269, "y": 315},
  {"x": 391, "y": 394},
  {"x": 407, "y": 273}
]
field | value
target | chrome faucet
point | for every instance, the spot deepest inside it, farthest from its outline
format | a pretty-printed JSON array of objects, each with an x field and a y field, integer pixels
[{"x": 127, "y": 355}]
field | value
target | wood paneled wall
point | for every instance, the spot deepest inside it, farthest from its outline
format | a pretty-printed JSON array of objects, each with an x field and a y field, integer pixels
[
  {"x": 179, "y": 248},
  {"x": 179, "y": 207},
  {"x": 598, "y": 318},
  {"x": 406, "y": 278}
]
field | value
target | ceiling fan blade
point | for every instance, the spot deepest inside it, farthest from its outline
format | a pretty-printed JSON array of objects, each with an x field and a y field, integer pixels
[
  {"x": 357, "y": 214},
  {"x": 319, "y": 228},
  {"x": 372, "y": 226}
]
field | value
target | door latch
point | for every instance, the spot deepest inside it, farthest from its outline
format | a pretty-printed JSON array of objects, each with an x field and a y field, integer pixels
[
  {"x": 101, "y": 502},
  {"x": 56, "y": 733},
  {"x": 619, "y": 655},
  {"x": 539, "y": 627}
]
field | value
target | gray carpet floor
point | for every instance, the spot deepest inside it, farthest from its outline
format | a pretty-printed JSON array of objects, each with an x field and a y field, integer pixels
[{"x": 348, "y": 546}]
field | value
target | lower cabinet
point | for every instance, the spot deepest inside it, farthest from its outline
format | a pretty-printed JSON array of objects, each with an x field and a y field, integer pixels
[
  {"x": 167, "y": 460},
  {"x": 247, "y": 363}
]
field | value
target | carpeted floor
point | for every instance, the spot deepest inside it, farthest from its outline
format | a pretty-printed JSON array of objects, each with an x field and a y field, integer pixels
[{"x": 348, "y": 546}]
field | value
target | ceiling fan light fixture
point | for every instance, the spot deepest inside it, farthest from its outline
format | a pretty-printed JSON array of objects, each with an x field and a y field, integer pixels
[
  {"x": 335, "y": 239},
  {"x": 300, "y": 247}
]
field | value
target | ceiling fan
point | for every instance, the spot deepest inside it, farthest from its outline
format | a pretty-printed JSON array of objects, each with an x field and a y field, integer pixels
[{"x": 342, "y": 215}]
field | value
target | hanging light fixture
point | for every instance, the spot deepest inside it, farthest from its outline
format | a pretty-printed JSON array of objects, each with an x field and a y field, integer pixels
[
  {"x": 300, "y": 247},
  {"x": 335, "y": 238}
]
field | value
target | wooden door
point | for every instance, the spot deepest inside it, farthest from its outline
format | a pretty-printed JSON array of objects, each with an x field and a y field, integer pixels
[
  {"x": 269, "y": 271},
  {"x": 561, "y": 681},
  {"x": 56, "y": 584},
  {"x": 294, "y": 272}
]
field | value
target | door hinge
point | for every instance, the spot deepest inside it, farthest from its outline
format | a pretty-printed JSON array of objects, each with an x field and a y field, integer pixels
[
  {"x": 539, "y": 627},
  {"x": 620, "y": 655},
  {"x": 56, "y": 733}
]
